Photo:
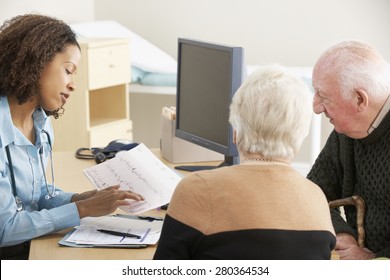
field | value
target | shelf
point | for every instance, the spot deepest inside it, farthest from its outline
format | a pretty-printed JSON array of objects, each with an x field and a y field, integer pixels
[
  {"x": 104, "y": 122},
  {"x": 108, "y": 103}
]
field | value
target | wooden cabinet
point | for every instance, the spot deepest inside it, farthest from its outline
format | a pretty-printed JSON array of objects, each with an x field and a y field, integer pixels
[{"x": 98, "y": 111}]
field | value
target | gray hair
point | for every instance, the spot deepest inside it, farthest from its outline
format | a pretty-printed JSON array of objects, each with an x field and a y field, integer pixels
[
  {"x": 271, "y": 113},
  {"x": 358, "y": 66}
]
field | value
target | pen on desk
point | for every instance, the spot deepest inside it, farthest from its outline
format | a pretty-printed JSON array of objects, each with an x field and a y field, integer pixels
[
  {"x": 117, "y": 233},
  {"x": 150, "y": 218}
]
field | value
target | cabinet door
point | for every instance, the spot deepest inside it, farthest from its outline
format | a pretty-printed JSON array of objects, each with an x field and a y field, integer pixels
[{"x": 108, "y": 66}]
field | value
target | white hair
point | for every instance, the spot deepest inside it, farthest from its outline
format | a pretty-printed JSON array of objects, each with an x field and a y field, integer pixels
[
  {"x": 271, "y": 113},
  {"x": 358, "y": 66}
]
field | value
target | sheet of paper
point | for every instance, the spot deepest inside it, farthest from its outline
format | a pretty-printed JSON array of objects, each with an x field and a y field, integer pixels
[
  {"x": 87, "y": 232},
  {"x": 140, "y": 171}
]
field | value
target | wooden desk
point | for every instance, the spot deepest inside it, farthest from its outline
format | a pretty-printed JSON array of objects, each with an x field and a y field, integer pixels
[{"x": 69, "y": 177}]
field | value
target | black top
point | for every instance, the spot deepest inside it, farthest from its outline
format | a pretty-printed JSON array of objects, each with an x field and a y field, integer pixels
[
  {"x": 248, "y": 211},
  {"x": 256, "y": 244}
]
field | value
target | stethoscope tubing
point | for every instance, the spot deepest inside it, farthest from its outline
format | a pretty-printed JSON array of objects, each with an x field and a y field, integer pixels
[{"x": 50, "y": 194}]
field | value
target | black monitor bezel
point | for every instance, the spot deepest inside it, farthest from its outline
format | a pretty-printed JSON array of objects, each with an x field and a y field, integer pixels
[{"x": 236, "y": 74}]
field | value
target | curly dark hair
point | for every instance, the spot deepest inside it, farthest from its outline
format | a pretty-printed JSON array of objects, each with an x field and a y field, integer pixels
[{"x": 27, "y": 43}]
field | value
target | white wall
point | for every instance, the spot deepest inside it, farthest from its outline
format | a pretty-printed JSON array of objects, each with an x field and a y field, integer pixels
[
  {"x": 289, "y": 32},
  {"x": 67, "y": 10},
  {"x": 292, "y": 33}
]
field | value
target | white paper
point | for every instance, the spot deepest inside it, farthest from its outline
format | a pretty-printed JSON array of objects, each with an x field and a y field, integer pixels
[
  {"x": 87, "y": 232},
  {"x": 139, "y": 171}
]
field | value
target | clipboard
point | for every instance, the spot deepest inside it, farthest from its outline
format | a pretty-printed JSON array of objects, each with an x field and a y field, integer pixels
[
  {"x": 65, "y": 243},
  {"x": 148, "y": 225}
]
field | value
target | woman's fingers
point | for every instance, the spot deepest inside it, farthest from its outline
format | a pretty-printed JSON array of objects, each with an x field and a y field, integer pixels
[{"x": 124, "y": 194}]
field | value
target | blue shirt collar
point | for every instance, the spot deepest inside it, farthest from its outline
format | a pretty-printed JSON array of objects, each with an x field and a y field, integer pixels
[{"x": 8, "y": 133}]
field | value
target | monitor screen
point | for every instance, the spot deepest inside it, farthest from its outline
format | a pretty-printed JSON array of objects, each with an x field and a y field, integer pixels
[{"x": 208, "y": 76}]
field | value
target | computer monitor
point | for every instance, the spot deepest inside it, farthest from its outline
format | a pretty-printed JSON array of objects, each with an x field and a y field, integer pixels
[{"x": 208, "y": 76}]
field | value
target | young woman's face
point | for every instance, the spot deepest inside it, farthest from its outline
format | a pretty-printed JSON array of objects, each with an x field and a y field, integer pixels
[{"x": 57, "y": 79}]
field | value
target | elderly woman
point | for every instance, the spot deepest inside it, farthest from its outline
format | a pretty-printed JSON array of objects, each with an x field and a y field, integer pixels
[{"x": 261, "y": 208}]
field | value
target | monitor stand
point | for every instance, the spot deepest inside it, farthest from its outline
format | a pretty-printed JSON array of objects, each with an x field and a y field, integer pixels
[{"x": 229, "y": 160}]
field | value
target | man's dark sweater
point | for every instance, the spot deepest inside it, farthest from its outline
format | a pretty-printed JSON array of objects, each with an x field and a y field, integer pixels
[{"x": 347, "y": 167}]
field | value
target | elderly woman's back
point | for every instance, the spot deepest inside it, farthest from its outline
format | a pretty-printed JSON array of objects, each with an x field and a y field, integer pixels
[{"x": 262, "y": 208}]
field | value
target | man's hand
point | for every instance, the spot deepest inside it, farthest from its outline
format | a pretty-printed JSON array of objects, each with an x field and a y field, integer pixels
[{"x": 348, "y": 249}]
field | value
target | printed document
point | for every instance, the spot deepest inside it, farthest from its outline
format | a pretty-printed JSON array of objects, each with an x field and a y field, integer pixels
[
  {"x": 139, "y": 171},
  {"x": 87, "y": 233}
]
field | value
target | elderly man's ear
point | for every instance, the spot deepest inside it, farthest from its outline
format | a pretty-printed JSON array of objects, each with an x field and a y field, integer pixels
[{"x": 361, "y": 98}]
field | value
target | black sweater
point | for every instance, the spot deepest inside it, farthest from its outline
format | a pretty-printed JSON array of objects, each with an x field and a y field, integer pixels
[{"x": 347, "y": 167}]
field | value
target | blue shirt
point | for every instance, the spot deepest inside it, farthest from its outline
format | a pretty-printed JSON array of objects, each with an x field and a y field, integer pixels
[{"x": 40, "y": 215}]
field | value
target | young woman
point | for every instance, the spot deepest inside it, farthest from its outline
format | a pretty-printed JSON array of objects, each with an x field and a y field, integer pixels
[{"x": 39, "y": 56}]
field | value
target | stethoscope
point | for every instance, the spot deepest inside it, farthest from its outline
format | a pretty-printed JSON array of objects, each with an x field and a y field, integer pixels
[{"x": 50, "y": 194}]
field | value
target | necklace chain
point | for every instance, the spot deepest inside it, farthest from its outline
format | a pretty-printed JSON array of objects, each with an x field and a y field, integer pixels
[{"x": 265, "y": 160}]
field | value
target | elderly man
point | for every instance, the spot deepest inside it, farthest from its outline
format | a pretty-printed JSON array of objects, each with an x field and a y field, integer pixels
[{"x": 352, "y": 88}]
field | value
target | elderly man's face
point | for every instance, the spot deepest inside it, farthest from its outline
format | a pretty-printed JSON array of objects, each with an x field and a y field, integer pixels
[{"x": 327, "y": 99}]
